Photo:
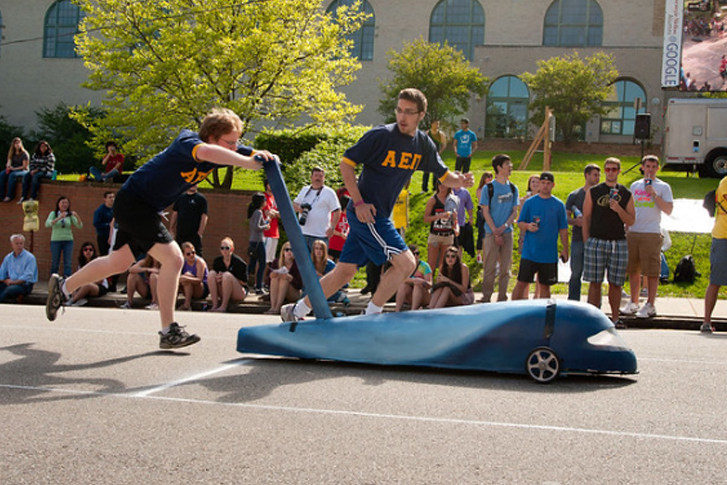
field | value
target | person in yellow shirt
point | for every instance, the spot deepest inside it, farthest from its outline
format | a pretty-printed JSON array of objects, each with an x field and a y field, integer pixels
[{"x": 717, "y": 256}]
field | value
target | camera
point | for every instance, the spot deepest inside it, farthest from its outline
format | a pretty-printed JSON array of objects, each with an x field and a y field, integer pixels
[{"x": 304, "y": 213}]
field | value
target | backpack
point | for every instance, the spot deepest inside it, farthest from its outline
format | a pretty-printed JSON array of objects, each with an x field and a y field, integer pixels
[
  {"x": 686, "y": 270},
  {"x": 710, "y": 203},
  {"x": 491, "y": 190}
]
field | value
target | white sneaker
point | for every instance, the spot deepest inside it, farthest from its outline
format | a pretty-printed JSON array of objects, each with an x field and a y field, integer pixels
[
  {"x": 706, "y": 328},
  {"x": 126, "y": 306},
  {"x": 646, "y": 311},
  {"x": 629, "y": 309},
  {"x": 80, "y": 302}
]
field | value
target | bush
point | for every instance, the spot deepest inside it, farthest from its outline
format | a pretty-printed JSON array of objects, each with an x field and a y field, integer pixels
[{"x": 7, "y": 133}]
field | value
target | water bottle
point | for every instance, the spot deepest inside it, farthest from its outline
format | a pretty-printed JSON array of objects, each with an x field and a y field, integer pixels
[{"x": 576, "y": 212}]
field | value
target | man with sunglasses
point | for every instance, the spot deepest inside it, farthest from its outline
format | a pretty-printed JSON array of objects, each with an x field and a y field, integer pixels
[
  {"x": 389, "y": 155},
  {"x": 137, "y": 210},
  {"x": 607, "y": 208}
]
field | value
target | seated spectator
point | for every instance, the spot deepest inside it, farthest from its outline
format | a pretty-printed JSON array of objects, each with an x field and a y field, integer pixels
[
  {"x": 415, "y": 290},
  {"x": 99, "y": 288},
  {"x": 453, "y": 282},
  {"x": 15, "y": 168},
  {"x": 440, "y": 213},
  {"x": 140, "y": 281},
  {"x": 285, "y": 280},
  {"x": 113, "y": 163},
  {"x": 193, "y": 281},
  {"x": 228, "y": 278},
  {"x": 18, "y": 272},
  {"x": 323, "y": 265},
  {"x": 42, "y": 166}
]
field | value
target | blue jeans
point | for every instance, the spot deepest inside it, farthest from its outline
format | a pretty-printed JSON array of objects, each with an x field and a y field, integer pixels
[
  {"x": 9, "y": 180},
  {"x": 256, "y": 251},
  {"x": 56, "y": 247},
  {"x": 12, "y": 292},
  {"x": 34, "y": 180},
  {"x": 576, "y": 270},
  {"x": 102, "y": 177}
]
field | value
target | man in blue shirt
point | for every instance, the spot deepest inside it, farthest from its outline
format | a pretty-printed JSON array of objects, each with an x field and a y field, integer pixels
[
  {"x": 389, "y": 155},
  {"x": 18, "y": 272},
  {"x": 465, "y": 144},
  {"x": 542, "y": 219},
  {"x": 102, "y": 218}
]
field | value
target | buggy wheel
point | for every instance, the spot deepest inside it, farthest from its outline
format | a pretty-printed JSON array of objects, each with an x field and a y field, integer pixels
[{"x": 543, "y": 365}]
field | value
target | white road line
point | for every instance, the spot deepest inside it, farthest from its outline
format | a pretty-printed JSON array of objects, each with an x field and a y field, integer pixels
[
  {"x": 401, "y": 417},
  {"x": 195, "y": 377}
]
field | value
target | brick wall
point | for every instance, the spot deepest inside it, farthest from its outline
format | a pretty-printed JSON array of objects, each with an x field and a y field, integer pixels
[{"x": 227, "y": 217}]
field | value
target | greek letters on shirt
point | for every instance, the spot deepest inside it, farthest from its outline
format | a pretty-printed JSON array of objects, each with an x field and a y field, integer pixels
[
  {"x": 195, "y": 176},
  {"x": 406, "y": 161}
]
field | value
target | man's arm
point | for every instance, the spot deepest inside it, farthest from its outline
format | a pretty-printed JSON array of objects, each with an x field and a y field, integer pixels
[
  {"x": 587, "y": 212},
  {"x": 335, "y": 217},
  {"x": 202, "y": 224},
  {"x": 564, "y": 242},
  {"x": 222, "y": 156},
  {"x": 173, "y": 223},
  {"x": 365, "y": 212},
  {"x": 458, "y": 180}
]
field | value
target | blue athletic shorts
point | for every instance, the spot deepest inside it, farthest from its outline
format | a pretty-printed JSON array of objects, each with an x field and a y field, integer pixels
[
  {"x": 718, "y": 262},
  {"x": 377, "y": 242},
  {"x": 601, "y": 255}
]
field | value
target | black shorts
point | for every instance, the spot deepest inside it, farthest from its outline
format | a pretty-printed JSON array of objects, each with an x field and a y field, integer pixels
[
  {"x": 140, "y": 226},
  {"x": 547, "y": 272}
]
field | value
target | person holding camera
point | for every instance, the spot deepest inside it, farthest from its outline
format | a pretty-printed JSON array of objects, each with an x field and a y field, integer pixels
[{"x": 318, "y": 209}]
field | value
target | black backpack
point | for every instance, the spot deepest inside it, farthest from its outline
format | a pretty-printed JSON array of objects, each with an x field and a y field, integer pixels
[
  {"x": 711, "y": 203},
  {"x": 686, "y": 270},
  {"x": 491, "y": 190}
]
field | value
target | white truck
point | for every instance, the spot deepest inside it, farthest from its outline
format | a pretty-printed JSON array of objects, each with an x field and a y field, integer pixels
[{"x": 695, "y": 136}]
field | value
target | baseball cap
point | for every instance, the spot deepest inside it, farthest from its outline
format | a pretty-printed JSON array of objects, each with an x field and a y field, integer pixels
[{"x": 547, "y": 176}]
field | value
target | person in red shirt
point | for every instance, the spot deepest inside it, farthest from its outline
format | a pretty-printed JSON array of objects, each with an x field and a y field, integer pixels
[
  {"x": 272, "y": 234},
  {"x": 113, "y": 163}
]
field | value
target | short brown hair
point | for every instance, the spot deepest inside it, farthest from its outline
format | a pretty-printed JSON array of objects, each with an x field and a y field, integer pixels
[
  {"x": 612, "y": 161},
  {"x": 650, "y": 158},
  {"x": 218, "y": 122},
  {"x": 415, "y": 96}
]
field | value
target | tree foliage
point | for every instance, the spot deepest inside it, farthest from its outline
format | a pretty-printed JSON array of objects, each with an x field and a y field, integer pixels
[
  {"x": 573, "y": 88},
  {"x": 439, "y": 71},
  {"x": 164, "y": 64}
]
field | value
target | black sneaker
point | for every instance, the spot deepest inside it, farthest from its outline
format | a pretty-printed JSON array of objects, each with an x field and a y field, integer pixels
[
  {"x": 620, "y": 325},
  {"x": 176, "y": 338},
  {"x": 56, "y": 299}
]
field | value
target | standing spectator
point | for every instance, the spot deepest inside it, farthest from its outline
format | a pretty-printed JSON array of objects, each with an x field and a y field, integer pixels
[
  {"x": 389, "y": 154},
  {"x": 717, "y": 256},
  {"x": 542, "y": 220},
  {"x": 18, "y": 272},
  {"x": 453, "y": 282},
  {"x": 146, "y": 193},
  {"x": 103, "y": 216},
  {"x": 61, "y": 222},
  {"x": 228, "y": 278},
  {"x": 42, "y": 166},
  {"x": 140, "y": 281},
  {"x": 485, "y": 179},
  {"x": 440, "y": 141},
  {"x": 607, "y": 207},
  {"x": 465, "y": 145},
  {"x": 15, "y": 168},
  {"x": 340, "y": 232},
  {"x": 113, "y": 163},
  {"x": 532, "y": 190},
  {"x": 442, "y": 225},
  {"x": 415, "y": 289},
  {"x": 574, "y": 210},
  {"x": 499, "y": 202},
  {"x": 193, "y": 280},
  {"x": 189, "y": 218},
  {"x": 256, "y": 247},
  {"x": 285, "y": 280},
  {"x": 318, "y": 207},
  {"x": 651, "y": 197},
  {"x": 271, "y": 234},
  {"x": 465, "y": 238},
  {"x": 87, "y": 254}
]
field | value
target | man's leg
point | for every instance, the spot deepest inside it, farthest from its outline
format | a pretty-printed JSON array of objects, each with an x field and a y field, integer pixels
[
  {"x": 489, "y": 265},
  {"x": 402, "y": 265},
  {"x": 171, "y": 261},
  {"x": 710, "y": 300},
  {"x": 576, "y": 270},
  {"x": 330, "y": 283},
  {"x": 594, "y": 294},
  {"x": 519, "y": 292},
  {"x": 505, "y": 265},
  {"x": 653, "y": 288},
  {"x": 614, "y": 300}
]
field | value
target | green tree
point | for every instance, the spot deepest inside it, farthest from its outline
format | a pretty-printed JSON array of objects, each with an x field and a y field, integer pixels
[
  {"x": 164, "y": 64},
  {"x": 573, "y": 88},
  {"x": 439, "y": 71}
]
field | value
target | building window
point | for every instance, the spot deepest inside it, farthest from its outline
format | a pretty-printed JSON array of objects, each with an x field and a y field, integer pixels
[
  {"x": 573, "y": 23},
  {"x": 621, "y": 106},
  {"x": 61, "y": 25},
  {"x": 363, "y": 38},
  {"x": 507, "y": 108},
  {"x": 461, "y": 23}
]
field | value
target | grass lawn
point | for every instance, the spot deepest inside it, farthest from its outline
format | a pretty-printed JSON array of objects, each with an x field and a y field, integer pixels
[{"x": 568, "y": 170}]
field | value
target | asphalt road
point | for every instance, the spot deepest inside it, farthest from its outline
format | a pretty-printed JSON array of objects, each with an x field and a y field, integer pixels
[{"x": 89, "y": 399}]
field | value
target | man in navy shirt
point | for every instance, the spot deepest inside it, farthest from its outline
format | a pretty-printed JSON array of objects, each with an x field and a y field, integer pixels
[
  {"x": 389, "y": 155},
  {"x": 148, "y": 191}
]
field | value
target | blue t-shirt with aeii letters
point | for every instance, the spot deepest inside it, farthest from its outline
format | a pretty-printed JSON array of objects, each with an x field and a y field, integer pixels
[
  {"x": 504, "y": 198},
  {"x": 161, "y": 180},
  {"x": 389, "y": 159},
  {"x": 541, "y": 246}
]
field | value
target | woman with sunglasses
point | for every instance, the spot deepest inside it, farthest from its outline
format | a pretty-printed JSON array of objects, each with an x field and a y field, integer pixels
[
  {"x": 193, "y": 280},
  {"x": 228, "y": 278},
  {"x": 99, "y": 288},
  {"x": 453, "y": 282},
  {"x": 415, "y": 290},
  {"x": 60, "y": 221},
  {"x": 285, "y": 280}
]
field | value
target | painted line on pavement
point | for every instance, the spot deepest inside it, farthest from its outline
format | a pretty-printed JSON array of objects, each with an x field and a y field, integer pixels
[{"x": 196, "y": 377}]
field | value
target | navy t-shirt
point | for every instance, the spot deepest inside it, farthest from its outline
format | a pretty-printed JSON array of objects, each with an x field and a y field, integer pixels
[
  {"x": 389, "y": 159},
  {"x": 161, "y": 180}
]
